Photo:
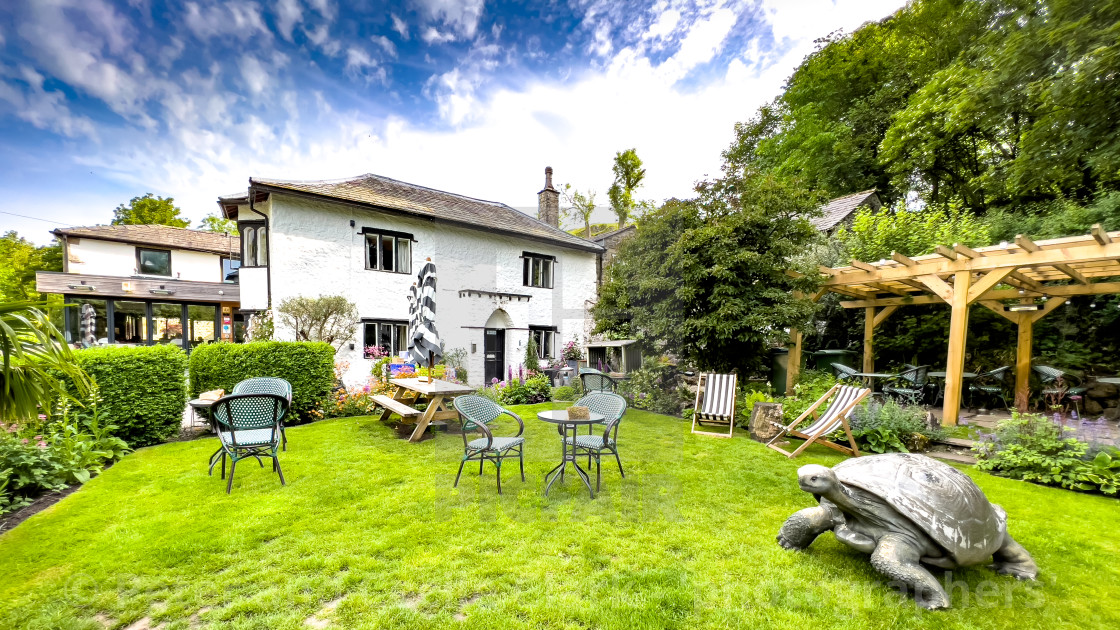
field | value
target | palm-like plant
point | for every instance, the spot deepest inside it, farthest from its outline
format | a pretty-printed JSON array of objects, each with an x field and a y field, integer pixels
[{"x": 35, "y": 354}]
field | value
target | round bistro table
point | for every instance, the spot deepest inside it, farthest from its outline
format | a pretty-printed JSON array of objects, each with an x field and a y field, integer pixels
[{"x": 568, "y": 426}]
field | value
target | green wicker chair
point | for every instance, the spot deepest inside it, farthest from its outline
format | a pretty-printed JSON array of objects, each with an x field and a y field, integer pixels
[
  {"x": 910, "y": 385},
  {"x": 268, "y": 385},
  {"x": 846, "y": 374},
  {"x": 612, "y": 407},
  {"x": 597, "y": 382},
  {"x": 997, "y": 384},
  {"x": 476, "y": 413},
  {"x": 248, "y": 426}
]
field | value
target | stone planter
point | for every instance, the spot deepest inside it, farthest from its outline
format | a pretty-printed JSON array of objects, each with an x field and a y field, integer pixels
[{"x": 763, "y": 415}]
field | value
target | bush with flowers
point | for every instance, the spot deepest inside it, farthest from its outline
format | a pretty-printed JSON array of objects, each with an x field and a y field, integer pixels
[
  {"x": 526, "y": 388},
  {"x": 352, "y": 401},
  {"x": 51, "y": 453}
]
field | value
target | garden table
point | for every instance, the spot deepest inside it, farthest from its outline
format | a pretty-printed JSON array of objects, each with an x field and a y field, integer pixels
[
  {"x": 940, "y": 376},
  {"x": 437, "y": 393},
  {"x": 1110, "y": 380},
  {"x": 568, "y": 425},
  {"x": 869, "y": 377},
  {"x": 195, "y": 405}
]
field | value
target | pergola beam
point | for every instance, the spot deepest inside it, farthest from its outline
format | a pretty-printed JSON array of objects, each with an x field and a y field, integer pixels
[
  {"x": 1064, "y": 290},
  {"x": 1100, "y": 234},
  {"x": 987, "y": 282}
]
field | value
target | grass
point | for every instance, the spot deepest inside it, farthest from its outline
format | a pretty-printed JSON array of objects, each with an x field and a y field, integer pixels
[{"x": 369, "y": 533}]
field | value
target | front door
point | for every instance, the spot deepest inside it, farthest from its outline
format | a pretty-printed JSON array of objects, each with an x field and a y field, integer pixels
[{"x": 494, "y": 349}]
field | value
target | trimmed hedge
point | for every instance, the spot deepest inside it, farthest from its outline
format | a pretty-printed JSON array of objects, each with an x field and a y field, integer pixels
[
  {"x": 143, "y": 389},
  {"x": 307, "y": 365}
]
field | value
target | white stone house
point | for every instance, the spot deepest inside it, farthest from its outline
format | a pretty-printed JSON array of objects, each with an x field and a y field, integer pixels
[{"x": 502, "y": 275}]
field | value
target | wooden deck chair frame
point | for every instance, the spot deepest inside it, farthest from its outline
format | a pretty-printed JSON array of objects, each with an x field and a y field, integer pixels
[
  {"x": 849, "y": 397},
  {"x": 728, "y": 386}
]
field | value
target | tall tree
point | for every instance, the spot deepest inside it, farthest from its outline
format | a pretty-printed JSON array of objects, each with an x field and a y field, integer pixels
[
  {"x": 708, "y": 279},
  {"x": 628, "y": 176},
  {"x": 149, "y": 210},
  {"x": 19, "y": 260},
  {"x": 580, "y": 206},
  {"x": 221, "y": 225}
]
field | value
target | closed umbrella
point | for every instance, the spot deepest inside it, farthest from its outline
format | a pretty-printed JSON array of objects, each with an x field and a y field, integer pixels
[
  {"x": 413, "y": 301},
  {"x": 88, "y": 325},
  {"x": 425, "y": 338}
]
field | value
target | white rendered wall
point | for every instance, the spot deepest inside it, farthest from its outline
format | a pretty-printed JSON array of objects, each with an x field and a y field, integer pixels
[
  {"x": 107, "y": 258},
  {"x": 315, "y": 251}
]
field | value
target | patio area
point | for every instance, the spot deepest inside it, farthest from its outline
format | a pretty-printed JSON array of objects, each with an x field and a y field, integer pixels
[{"x": 369, "y": 533}]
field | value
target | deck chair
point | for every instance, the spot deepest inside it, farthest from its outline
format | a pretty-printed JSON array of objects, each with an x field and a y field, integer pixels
[
  {"x": 843, "y": 399},
  {"x": 715, "y": 403}
]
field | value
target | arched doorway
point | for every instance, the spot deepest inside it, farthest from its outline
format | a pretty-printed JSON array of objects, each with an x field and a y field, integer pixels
[{"x": 494, "y": 346}]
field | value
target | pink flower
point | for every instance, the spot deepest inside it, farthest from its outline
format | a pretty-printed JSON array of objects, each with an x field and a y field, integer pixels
[
  {"x": 42, "y": 416},
  {"x": 42, "y": 444},
  {"x": 39, "y": 438},
  {"x": 24, "y": 441},
  {"x": 12, "y": 428}
]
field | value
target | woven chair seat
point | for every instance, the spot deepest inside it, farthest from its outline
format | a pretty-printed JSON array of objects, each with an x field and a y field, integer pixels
[
  {"x": 251, "y": 437},
  {"x": 499, "y": 443},
  {"x": 594, "y": 442}
]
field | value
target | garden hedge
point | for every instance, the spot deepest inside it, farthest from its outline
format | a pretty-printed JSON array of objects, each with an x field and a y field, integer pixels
[
  {"x": 143, "y": 389},
  {"x": 307, "y": 365}
]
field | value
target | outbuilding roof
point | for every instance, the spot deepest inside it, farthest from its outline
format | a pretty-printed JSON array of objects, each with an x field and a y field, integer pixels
[
  {"x": 159, "y": 235},
  {"x": 838, "y": 209},
  {"x": 384, "y": 193}
]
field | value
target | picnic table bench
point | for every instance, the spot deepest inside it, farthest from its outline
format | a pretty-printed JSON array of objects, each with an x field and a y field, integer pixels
[{"x": 410, "y": 391}]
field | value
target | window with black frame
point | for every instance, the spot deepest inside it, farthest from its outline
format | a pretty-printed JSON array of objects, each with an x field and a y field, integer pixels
[
  {"x": 538, "y": 270},
  {"x": 388, "y": 251},
  {"x": 229, "y": 269},
  {"x": 153, "y": 262},
  {"x": 545, "y": 337},
  {"x": 254, "y": 244},
  {"x": 383, "y": 337}
]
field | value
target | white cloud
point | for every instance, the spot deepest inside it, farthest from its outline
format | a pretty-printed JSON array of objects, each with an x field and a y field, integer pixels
[
  {"x": 253, "y": 73},
  {"x": 359, "y": 63},
  {"x": 704, "y": 39},
  {"x": 321, "y": 37},
  {"x": 288, "y": 14},
  {"x": 432, "y": 35},
  {"x": 399, "y": 26},
  {"x": 386, "y": 44},
  {"x": 231, "y": 19},
  {"x": 41, "y": 108},
  {"x": 664, "y": 26},
  {"x": 461, "y": 16}
]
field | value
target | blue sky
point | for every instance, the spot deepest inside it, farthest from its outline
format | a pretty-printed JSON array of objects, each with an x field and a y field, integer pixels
[{"x": 101, "y": 101}]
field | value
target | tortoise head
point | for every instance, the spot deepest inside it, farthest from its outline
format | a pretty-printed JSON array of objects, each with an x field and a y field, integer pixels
[{"x": 816, "y": 479}]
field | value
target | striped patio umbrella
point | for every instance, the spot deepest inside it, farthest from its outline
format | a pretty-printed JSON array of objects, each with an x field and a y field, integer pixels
[
  {"x": 425, "y": 344},
  {"x": 413, "y": 301},
  {"x": 88, "y": 325}
]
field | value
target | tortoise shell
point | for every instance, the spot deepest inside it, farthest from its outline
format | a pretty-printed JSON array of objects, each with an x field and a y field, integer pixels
[{"x": 942, "y": 501}]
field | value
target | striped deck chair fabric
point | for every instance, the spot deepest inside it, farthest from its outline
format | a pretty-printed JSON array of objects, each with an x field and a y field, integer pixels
[
  {"x": 715, "y": 403},
  {"x": 841, "y": 400}
]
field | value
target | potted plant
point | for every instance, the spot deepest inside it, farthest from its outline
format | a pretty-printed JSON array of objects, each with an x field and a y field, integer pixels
[{"x": 572, "y": 354}]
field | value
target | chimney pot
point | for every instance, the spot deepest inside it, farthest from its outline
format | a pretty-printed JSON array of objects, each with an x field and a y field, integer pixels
[
  {"x": 548, "y": 177},
  {"x": 548, "y": 201}
]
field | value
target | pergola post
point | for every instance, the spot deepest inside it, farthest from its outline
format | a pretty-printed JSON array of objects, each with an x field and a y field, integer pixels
[
  {"x": 868, "y": 339},
  {"x": 1023, "y": 362},
  {"x": 793, "y": 371},
  {"x": 954, "y": 362}
]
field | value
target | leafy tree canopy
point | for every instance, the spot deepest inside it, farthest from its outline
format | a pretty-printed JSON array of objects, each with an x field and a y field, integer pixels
[
  {"x": 19, "y": 260},
  {"x": 875, "y": 235},
  {"x": 708, "y": 279},
  {"x": 214, "y": 223},
  {"x": 628, "y": 176},
  {"x": 149, "y": 210}
]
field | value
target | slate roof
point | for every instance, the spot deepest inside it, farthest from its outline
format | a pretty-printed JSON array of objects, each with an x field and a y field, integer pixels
[
  {"x": 159, "y": 235},
  {"x": 390, "y": 194},
  {"x": 835, "y": 211},
  {"x": 601, "y": 238}
]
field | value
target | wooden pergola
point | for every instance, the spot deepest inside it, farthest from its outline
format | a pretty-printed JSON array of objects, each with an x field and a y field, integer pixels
[{"x": 1022, "y": 281}]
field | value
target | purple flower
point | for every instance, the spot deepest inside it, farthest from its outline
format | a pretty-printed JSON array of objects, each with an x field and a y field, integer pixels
[{"x": 494, "y": 381}]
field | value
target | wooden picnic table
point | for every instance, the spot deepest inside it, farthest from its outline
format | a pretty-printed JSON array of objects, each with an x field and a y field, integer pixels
[{"x": 410, "y": 391}]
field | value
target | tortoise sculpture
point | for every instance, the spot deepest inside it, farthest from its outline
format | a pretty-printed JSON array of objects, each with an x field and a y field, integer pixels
[{"x": 907, "y": 510}]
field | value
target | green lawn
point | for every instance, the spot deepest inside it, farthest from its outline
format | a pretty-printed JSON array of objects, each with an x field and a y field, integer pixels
[{"x": 369, "y": 533}]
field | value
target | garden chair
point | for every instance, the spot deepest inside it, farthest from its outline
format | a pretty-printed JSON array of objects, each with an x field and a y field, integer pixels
[
  {"x": 992, "y": 385},
  {"x": 612, "y": 407},
  {"x": 715, "y": 403},
  {"x": 476, "y": 413},
  {"x": 845, "y": 373},
  {"x": 268, "y": 385},
  {"x": 248, "y": 425},
  {"x": 910, "y": 386},
  {"x": 597, "y": 382},
  {"x": 1056, "y": 382},
  {"x": 841, "y": 399}
]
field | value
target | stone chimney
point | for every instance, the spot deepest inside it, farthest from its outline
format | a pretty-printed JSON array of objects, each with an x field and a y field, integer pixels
[{"x": 548, "y": 201}]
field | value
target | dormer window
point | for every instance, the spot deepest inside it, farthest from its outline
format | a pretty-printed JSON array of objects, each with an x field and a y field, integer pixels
[{"x": 153, "y": 262}]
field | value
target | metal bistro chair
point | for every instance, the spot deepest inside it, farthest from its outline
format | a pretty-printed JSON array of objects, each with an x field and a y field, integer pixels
[
  {"x": 910, "y": 386},
  {"x": 248, "y": 425},
  {"x": 612, "y": 407},
  {"x": 475, "y": 413},
  {"x": 597, "y": 382},
  {"x": 1049, "y": 376},
  {"x": 268, "y": 385},
  {"x": 846, "y": 374},
  {"x": 992, "y": 385}
]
